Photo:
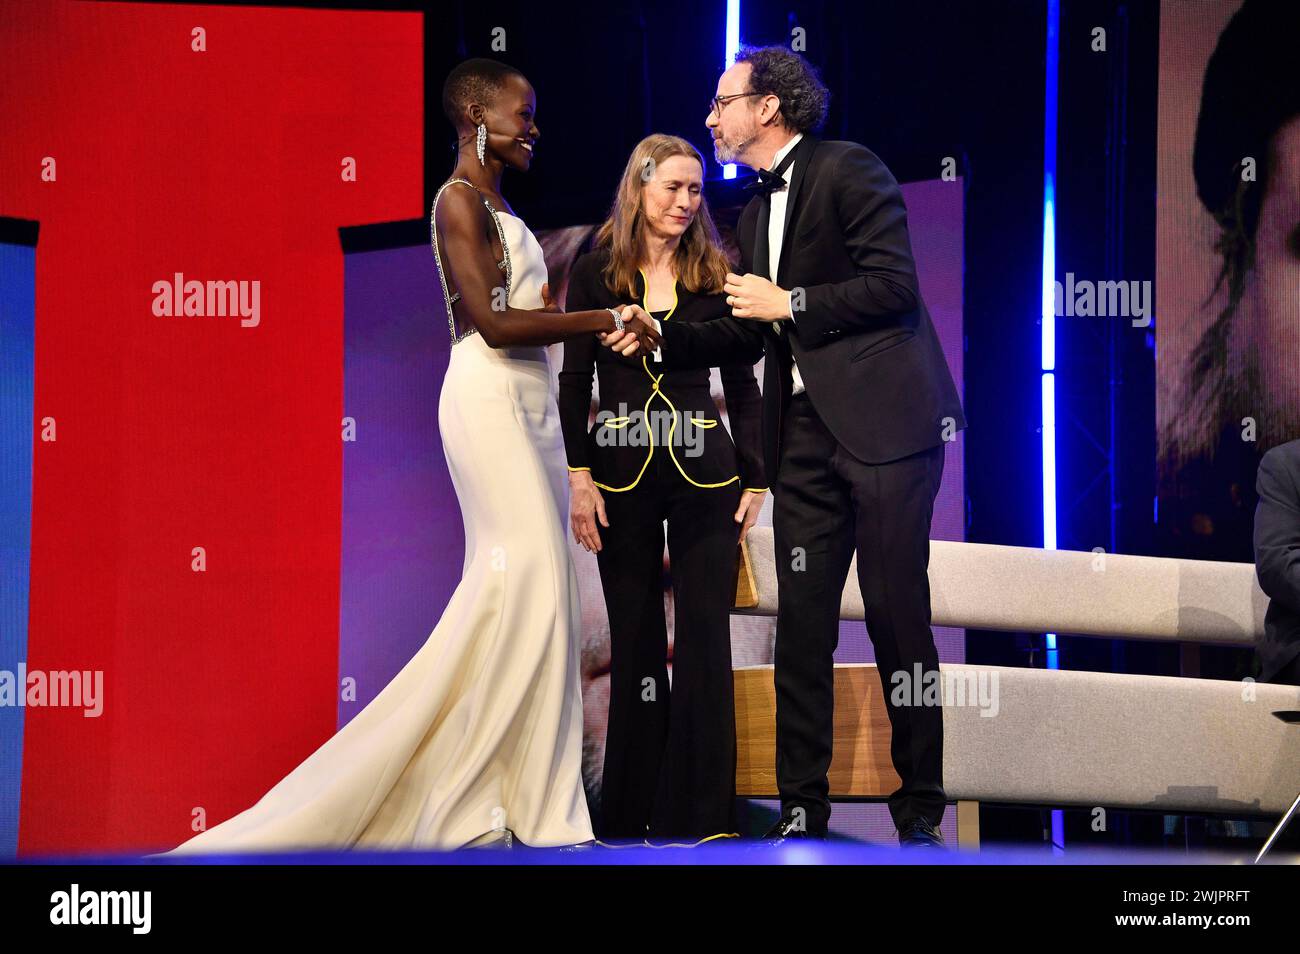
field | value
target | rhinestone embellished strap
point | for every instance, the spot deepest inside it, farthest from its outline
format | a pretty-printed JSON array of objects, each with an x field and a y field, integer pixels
[{"x": 448, "y": 298}]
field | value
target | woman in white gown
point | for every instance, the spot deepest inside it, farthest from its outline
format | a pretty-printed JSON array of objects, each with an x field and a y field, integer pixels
[{"x": 479, "y": 738}]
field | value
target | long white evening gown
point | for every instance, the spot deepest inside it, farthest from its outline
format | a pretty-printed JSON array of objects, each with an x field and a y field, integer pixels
[{"x": 480, "y": 734}]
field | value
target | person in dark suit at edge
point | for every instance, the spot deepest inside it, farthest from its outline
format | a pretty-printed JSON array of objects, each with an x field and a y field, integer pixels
[{"x": 1277, "y": 562}]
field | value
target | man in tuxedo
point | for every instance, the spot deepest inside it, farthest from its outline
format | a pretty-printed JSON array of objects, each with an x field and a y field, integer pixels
[
  {"x": 858, "y": 404},
  {"x": 1277, "y": 547}
]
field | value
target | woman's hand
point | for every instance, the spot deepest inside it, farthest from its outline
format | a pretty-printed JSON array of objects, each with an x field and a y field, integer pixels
[
  {"x": 585, "y": 505},
  {"x": 638, "y": 337},
  {"x": 751, "y": 502}
]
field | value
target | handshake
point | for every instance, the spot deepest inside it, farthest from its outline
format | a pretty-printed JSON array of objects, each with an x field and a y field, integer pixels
[{"x": 638, "y": 336}]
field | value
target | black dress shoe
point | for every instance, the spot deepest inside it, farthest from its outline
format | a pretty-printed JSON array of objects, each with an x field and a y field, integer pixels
[
  {"x": 787, "y": 828},
  {"x": 919, "y": 833}
]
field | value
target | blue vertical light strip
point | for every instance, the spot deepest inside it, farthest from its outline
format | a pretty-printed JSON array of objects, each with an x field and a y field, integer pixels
[
  {"x": 732, "y": 48},
  {"x": 1049, "y": 328},
  {"x": 1048, "y": 316},
  {"x": 17, "y": 391}
]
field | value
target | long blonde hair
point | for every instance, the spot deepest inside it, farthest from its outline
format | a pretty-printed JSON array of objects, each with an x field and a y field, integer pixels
[{"x": 699, "y": 261}]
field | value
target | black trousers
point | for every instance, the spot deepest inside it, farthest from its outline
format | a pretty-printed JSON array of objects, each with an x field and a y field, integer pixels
[
  {"x": 670, "y": 756},
  {"x": 826, "y": 504},
  {"x": 1288, "y": 675}
]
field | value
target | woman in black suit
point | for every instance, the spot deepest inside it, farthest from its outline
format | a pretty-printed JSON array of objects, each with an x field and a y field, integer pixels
[{"x": 656, "y": 454}]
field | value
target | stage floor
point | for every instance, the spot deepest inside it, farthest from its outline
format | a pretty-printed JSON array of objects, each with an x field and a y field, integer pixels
[{"x": 712, "y": 853}]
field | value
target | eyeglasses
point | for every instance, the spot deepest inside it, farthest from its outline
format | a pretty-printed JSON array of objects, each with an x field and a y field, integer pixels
[{"x": 718, "y": 103}]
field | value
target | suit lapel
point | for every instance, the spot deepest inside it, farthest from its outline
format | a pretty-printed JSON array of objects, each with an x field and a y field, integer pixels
[
  {"x": 755, "y": 226},
  {"x": 802, "y": 158}
]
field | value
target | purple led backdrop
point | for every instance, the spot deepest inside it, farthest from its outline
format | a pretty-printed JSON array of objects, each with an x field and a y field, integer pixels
[{"x": 403, "y": 541}]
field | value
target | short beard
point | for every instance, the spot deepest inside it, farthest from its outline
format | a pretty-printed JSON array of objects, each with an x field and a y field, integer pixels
[{"x": 725, "y": 154}]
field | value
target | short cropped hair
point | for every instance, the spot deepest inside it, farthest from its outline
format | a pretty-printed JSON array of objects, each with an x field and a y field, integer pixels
[{"x": 477, "y": 80}]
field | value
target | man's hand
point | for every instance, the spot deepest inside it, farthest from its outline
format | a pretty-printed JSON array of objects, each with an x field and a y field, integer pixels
[
  {"x": 638, "y": 336},
  {"x": 548, "y": 303},
  {"x": 585, "y": 506},
  {"x": 752, "y": 296},
  {"x": 751, "y": 502}
]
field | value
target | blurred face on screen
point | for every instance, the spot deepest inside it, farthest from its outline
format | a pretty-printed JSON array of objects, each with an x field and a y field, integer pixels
[
  {"x": 1271, "y": 294},
  {"x": 1237, "y": 393}
]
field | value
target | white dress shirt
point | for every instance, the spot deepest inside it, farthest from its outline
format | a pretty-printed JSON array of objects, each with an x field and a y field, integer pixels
[{"x": 775, "y": 233}]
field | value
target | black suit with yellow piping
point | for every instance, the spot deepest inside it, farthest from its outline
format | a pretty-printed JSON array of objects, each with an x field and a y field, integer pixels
[
  {"x": 631, "y": 389},
  {"x": 659, "y": 456}
]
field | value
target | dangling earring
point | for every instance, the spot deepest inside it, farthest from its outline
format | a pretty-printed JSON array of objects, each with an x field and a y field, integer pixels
[{"x": 482, "y": 141}]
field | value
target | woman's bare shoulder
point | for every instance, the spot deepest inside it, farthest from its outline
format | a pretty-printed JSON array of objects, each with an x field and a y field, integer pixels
[{"x": 459, "y": 205}]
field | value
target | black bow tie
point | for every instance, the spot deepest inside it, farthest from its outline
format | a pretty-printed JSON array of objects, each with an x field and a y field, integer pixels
[
  {"x": 771, "y": 180},
  {"x": 765, "y": 183}
]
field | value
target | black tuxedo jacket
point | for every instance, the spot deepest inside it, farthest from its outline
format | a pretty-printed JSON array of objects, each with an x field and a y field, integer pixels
[
  {"x": 868, "y": 354},
  {"x": 1277, "y": 556},
  {"x": 641, "y": 384}
]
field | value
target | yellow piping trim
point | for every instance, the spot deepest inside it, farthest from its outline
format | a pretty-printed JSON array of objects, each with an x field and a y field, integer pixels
[
  {"x": 645, "y": 411},
  {"x": 703, "y": 422},
  {"x": 755, "y": 490},
  {"x": 576, "y": 469},
  {"x": 645, "y": 287},
  {"x": 672, "y": 430},
  {"x": 650, "y": 431}
]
